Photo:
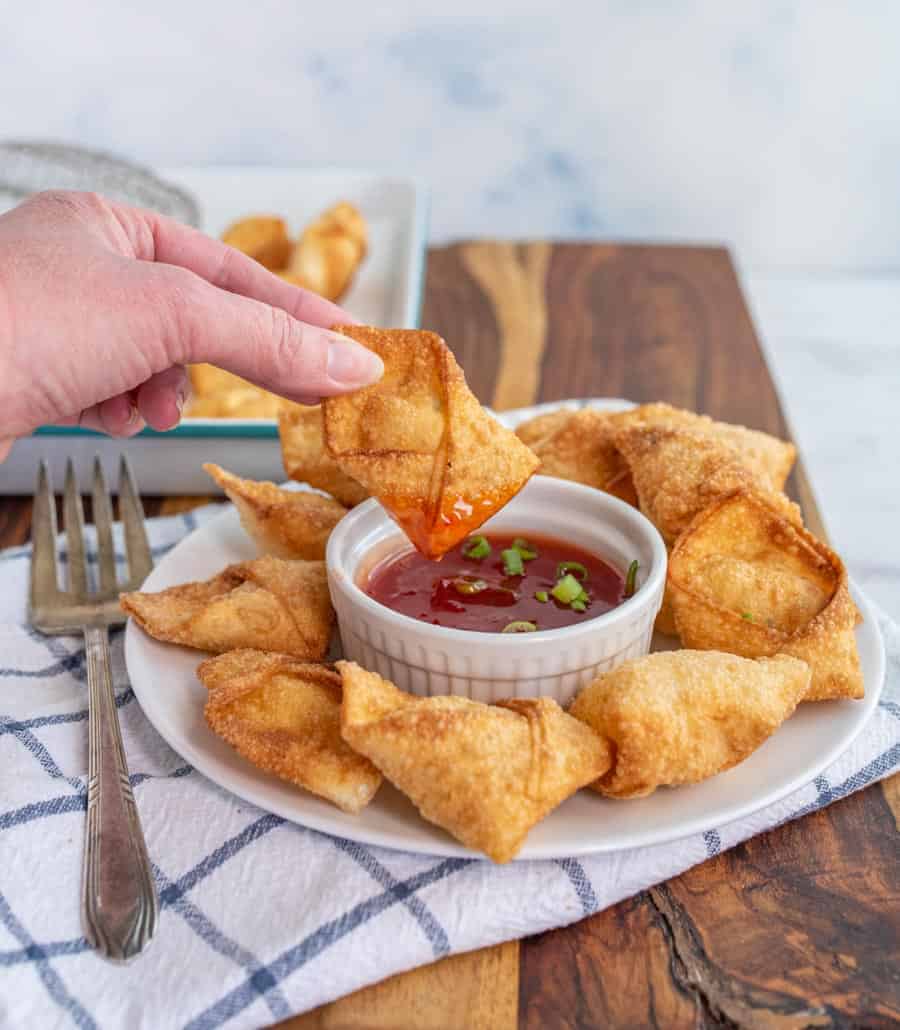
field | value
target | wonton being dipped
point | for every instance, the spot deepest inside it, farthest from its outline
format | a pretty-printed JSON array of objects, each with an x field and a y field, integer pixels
[
  {"x": 422, "y": 444},
  {"x": 485, "y": 773},
  {"x": 283, "y": 523},
  {"x": 268, "y": 604},
  {"x": 307, "y": 461},
  {"x": 284, "y": 716},
  {"x": 746, "y": 580},
  {"x": 678, "y": 717}
]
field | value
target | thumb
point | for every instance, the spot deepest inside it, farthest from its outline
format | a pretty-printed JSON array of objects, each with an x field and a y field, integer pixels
[{"x": 258, "y": 342}]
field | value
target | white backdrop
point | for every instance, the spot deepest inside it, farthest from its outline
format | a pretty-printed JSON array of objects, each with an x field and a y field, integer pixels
[{"x": 770, "y": 125}]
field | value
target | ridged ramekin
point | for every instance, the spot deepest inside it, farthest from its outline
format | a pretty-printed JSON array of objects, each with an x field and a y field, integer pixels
[{"x": 430, "y": 660}]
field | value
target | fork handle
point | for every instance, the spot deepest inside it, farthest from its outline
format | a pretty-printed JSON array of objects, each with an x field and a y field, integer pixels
[{"x": 119, "y": 902}]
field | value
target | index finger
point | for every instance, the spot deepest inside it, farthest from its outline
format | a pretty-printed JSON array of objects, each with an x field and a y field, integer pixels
[{"x": 169, "y": 242}]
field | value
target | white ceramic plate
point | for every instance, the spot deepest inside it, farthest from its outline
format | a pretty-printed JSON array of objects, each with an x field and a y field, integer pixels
[
  {"x": 163, "y": 679},
  {"x": 387, "y": 290}
]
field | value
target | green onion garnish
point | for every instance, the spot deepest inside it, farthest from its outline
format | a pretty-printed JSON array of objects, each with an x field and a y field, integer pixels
[
  {"x": 567, "y": 590},
  {"x": 519, "y": 626},
  {"x": 477, "y": 547},
  {"x": 566, "y": 567},
  {"x": 525, "y": 549},
  {"x": 469, "y": 586},
  {"x": 578, "y": 605},
  {"x": 631, "y": 579},
  {"x": 542, "y": 596},
  {"x": 747, "y": 616},
  {"x": 512, "y": 562}
]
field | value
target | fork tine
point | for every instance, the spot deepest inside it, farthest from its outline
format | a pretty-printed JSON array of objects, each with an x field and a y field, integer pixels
[
  {"x": 43, "y": 538},
  {"x": 137, "y": 547},
  {"x": 106, "y": 557},
  {"x": 74, "y": 517}
]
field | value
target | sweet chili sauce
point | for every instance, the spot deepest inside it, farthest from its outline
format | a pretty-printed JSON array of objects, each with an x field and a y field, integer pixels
[{"x": 479, "y": 585}]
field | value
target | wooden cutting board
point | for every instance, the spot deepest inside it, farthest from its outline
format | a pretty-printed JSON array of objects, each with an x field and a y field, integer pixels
[{"x": 796, "y": 928}]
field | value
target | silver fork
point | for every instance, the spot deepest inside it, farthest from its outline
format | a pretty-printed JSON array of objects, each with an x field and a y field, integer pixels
[{"x": 119, "y": 902}]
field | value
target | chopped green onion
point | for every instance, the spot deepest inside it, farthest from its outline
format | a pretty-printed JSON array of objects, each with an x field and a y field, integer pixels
[
  {"x": 519, "y": 626},
  {"x": 567, "y": 590},
  {"x": 525, "y": 549},
  {"x": 578, "y": 605},
  {"x": 566, "y": 567},
  {"x": 747, "y": 616},
  {"x": 469, "y": 586},
  {"x": 542, "y": 596},
  {"x": 477, "y": 547},
  {"x": 631, "y": 579},
  {"x": 512, "y": 562}
]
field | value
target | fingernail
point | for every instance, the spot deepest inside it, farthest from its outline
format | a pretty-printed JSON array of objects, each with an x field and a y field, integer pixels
[
  {"x": 180, "y": 401},
  {"x": 134, "y": 416},
  {"x": 350, "y": 364}
]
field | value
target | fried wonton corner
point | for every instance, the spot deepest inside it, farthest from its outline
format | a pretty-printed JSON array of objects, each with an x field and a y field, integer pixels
[
  {"x": 269, "y": 604},
  {"x": 745, "y": 579},
  {"x": 284, "y": 716},
  {"x": 306, "y": 460},
  {"x": 283, "y": 523},
  {"x": 421, "y": 443},
  {"x": 679, "y": 472},
  {"x": 679, "y": 717},
  {"x": 485, "y": 773}
]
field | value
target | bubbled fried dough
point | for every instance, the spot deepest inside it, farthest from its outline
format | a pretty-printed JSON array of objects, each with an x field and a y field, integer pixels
[
  {"x": 283, "y": 523},
  {"x": 268, "y": 604},
  {"x": 679, "y": 717},
  {"x": 284, "y": 716},
  {"x": 421, "y": 443},
  {"x": 485, "y": 773},
  {"x": 747, "y": 580},
  {"x": 306, "y": 460}
]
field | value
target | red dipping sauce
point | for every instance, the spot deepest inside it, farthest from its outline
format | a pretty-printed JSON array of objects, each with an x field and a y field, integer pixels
[{"x": 471, "y": 593}]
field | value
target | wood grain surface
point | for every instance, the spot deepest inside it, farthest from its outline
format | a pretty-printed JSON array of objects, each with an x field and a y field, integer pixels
[{"x": 799, "y": 927}]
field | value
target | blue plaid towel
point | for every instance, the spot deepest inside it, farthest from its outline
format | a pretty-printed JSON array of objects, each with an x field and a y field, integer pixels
[{"x": 262, "y": 919}]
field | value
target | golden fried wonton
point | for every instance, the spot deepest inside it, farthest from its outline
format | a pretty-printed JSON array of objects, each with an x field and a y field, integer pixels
[
  {"x": 262, "y": 237},
  {"x": 485, "y": 773},
  {"x": 284, "y": 523},
  {"x": 745, "y": 579},
  {"x": 679, "y": 717},
  {"x": 269, "y": 604},
  {"x": 768, "y": 458},
  {"x": 284, "y": 716},
  {"x": 307, "y": 461},
  {"x": 329, "y": 251},
  {"x": 580, "y": 447},
  {"x": 422, "y": 444},
  {"x": 679, "y": 472}
]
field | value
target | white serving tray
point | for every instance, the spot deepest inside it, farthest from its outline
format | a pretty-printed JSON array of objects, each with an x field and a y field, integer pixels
[{"x": 387, "y": 291}]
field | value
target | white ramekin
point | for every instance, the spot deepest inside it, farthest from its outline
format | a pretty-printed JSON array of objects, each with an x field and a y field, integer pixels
[{"x": 430, "y": 660}]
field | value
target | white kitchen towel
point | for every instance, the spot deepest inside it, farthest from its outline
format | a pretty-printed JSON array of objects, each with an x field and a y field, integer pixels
[{"x": 260, "y": 918}]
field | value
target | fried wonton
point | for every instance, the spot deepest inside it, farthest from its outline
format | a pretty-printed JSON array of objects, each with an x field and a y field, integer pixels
[
  {"x": 422, "y": 444},
  {"x": 679, "y": 717},
  {"x": 485, "y": 773},
  {"x": 679, "y": 472},
  {"x": 307, "y": 461},
  {"x": 284, "y": 716},
  {"x": 262, "y": 237},
  {"x": 329, "y": 251},
  {"x": 745, "y": 579},
  {"x": 220, "y": 394},
  {"x": 269, "y": 604},
  {"x": 768, "y": 458},
  {"x": 283, "y": 523},
  {"x": 580, "y": 447}
]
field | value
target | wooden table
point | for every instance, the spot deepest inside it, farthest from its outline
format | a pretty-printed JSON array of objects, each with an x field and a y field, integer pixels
[{"x": 799, "y": 927}]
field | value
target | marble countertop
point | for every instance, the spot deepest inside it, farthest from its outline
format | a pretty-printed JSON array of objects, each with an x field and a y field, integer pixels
[{"x": 832, "y": 344}]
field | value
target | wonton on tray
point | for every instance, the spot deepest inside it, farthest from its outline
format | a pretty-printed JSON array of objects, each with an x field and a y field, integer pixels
[
  {"x": 421, "y": 443},
  {"x": 745, "y": 579}
]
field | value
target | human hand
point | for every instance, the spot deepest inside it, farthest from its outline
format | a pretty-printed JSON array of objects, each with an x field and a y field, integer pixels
[{"x": 102, "y": 305}]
